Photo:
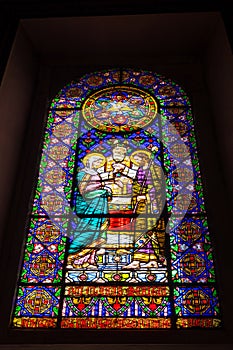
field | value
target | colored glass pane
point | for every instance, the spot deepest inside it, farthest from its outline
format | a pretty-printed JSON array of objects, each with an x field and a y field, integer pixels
[{"x": 118, "y": 234}]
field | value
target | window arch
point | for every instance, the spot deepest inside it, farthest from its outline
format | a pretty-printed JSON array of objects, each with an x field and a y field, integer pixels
[{"x": 118, "y": 234}]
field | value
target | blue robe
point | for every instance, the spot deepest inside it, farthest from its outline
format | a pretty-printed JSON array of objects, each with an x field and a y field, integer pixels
[{"x": 89, "y": 227}]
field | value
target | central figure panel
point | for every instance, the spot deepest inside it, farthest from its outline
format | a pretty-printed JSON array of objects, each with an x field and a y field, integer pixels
[{"x": 118, "y": 197}]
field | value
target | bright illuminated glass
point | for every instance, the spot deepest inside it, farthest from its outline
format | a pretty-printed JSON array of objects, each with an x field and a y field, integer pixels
[{"x": 118, "y": 234}]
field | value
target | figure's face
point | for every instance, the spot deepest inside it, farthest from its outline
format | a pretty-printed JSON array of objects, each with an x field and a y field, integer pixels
[
  {"x": 119, "y": 98},
  {"x": 119, "y": 153},
  {"x": 97, "y": 163},
  {"x": 141, "y": 161},
  {"x": 138, "y": 160},
  {"x": 104, "y": 104},
  {"x": 134, "y": 101}
]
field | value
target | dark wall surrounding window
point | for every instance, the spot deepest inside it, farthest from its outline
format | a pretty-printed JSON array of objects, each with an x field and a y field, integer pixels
[{"x": 36, "y": 69}]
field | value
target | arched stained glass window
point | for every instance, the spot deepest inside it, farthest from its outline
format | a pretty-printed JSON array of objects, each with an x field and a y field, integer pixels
[{"x": 118, "y": 235}]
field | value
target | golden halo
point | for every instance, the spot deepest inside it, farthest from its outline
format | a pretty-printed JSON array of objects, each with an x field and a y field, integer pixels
[
  {"x": 95, "y": 154},
  {"x": 148, "y": 153}
]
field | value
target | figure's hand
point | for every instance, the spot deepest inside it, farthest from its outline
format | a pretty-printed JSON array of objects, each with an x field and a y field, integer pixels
[
  {"x": 119, "y": 183},
  {"x": 108, "y": 190},
  {"x": 118, "y": 167}
]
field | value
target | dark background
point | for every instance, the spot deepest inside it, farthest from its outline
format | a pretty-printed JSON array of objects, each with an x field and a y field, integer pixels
[{"x": 44, "y": 45}]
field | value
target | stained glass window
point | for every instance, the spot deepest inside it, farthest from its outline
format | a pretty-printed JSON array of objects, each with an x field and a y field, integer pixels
[{"x": 118, "y": 234}]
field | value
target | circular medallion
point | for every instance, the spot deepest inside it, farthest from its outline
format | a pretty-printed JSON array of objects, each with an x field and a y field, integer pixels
[{"x": 119, "y": 108}]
